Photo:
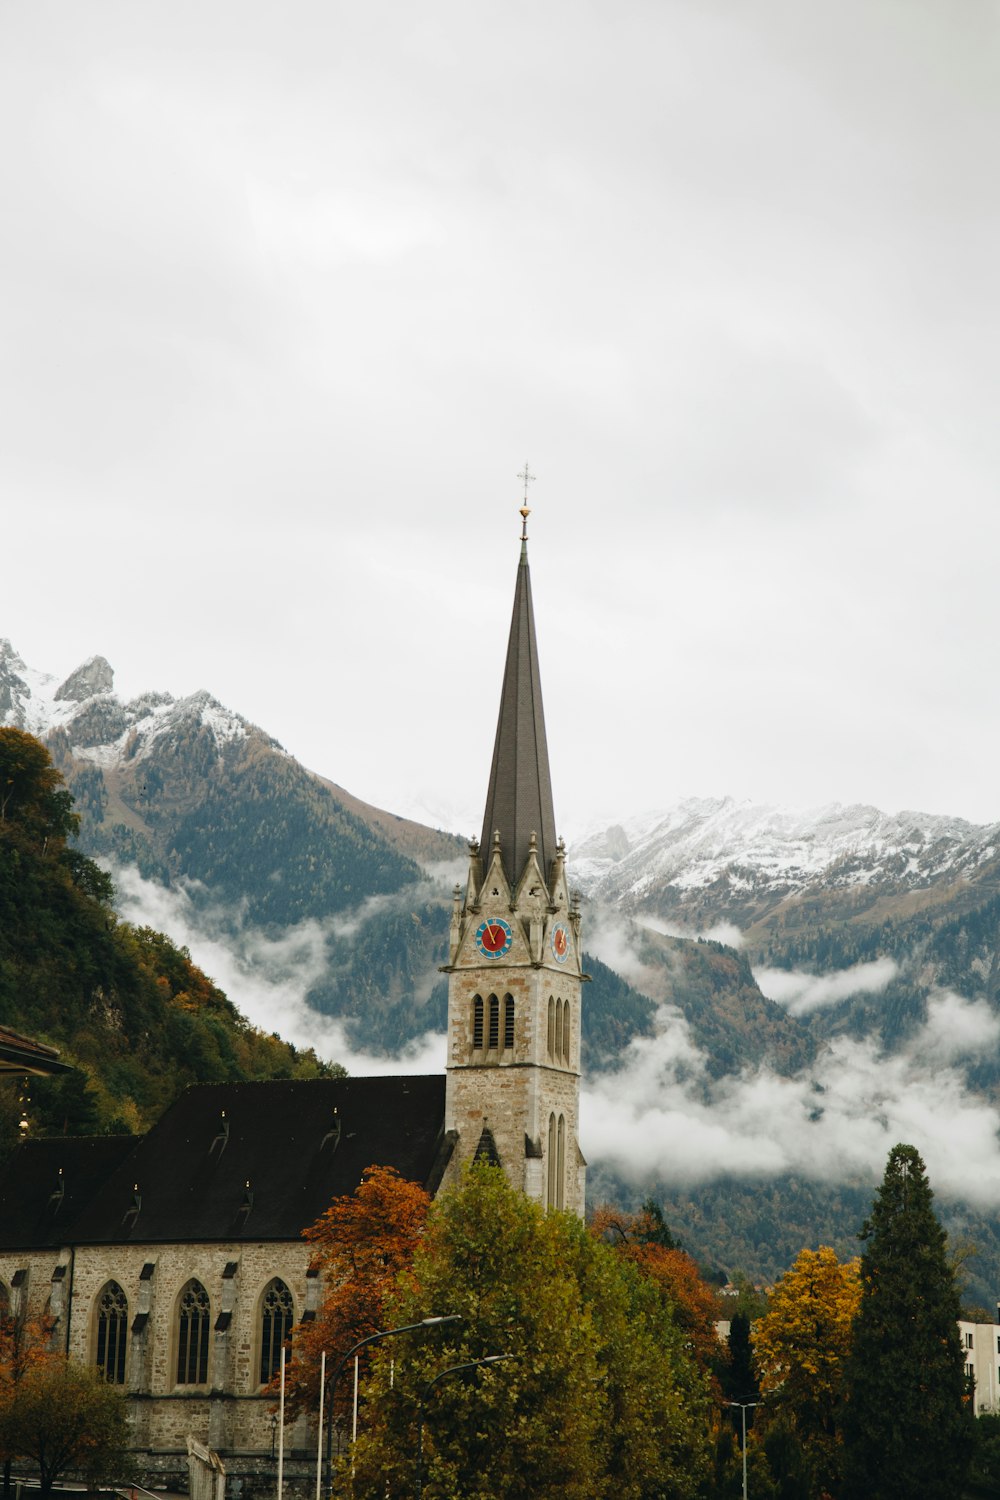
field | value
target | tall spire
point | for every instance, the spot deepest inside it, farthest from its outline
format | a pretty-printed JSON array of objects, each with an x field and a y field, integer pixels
[{"x": 519, "y": 800}]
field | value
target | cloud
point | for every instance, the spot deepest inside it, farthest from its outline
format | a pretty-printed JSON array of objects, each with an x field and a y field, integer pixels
[
  {"x": 268, "y": 978},
  {"x": 957, "y": 1028},
  {"x": 800, "y": 992},
  {"x": 662, "y": 1115}
]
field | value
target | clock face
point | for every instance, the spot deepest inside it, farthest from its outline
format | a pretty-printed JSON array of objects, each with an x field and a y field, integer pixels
[
  {"x": 493, "y": 937},
  {"x": 560, "y": 943}
]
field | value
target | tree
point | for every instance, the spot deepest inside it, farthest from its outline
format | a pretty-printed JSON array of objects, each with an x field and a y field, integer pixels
[
  {"x": 801, "y": 1348},
  {"x": 908, "y": 1418},
  {"x": 601, "y": 1398},
  {"x": 363, "y": 1241},
  {"x": 24, "y": 1346},
  {"x": 645, "y": 1241},
  {"x": 64, "y": 1416},
  {"x": 32, "y": 796}
]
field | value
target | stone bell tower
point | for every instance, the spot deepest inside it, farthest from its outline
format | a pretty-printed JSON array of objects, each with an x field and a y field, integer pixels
[{"x": 514, "y": 975}]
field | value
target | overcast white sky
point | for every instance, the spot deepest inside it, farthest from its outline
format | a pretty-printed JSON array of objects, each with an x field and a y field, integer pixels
[{"x": 290, "y": 292}]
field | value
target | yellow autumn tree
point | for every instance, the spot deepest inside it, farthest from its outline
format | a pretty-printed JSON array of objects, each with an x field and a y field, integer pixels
[{"x": 800, "y": 1348}]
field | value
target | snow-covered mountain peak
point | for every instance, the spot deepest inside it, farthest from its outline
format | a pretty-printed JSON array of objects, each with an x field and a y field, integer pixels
[
  {"x": 96, "y": 675},
  {"x": 98, "y": 726},
  {"x": 700, "y": 842}
]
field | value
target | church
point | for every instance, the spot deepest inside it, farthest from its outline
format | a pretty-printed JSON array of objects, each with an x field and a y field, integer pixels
[{"x": 174, "y": 1263}]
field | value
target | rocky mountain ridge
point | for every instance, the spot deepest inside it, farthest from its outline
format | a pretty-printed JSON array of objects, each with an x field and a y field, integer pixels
[{"x": 744, "y": 859}]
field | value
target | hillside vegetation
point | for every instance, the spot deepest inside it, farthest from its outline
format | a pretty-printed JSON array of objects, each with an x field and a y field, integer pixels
[{"x": 123, "y": 1004}]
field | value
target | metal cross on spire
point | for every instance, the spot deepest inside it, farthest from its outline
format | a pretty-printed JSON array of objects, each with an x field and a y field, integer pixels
[{"x": 528, "y": 478}]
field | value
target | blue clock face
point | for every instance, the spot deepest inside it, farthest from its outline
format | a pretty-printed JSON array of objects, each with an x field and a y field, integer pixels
[
  {"x": 493, "y": 937},
  {"x": 560, "y": 944}
]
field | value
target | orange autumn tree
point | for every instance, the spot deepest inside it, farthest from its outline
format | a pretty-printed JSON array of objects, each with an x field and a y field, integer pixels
[
  {"x": 801, "y": 1348},
  {"x": 24, "y": 1347},
  {"x": 644, "y": 1239},
  {"x": 363, "y": 1242}
]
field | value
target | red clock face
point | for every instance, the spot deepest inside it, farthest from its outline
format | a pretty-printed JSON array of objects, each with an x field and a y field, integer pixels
[
  {"x": 560, "y": 943},
  {"x": 494, "y": 937}
]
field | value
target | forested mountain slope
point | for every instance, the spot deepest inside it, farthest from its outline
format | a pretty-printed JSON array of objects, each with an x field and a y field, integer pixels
[{"x": 137, "y": 1018}]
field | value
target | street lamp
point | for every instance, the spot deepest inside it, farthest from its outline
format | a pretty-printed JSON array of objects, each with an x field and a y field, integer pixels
[
  {"x": 469, "y": 1364},
  {"x": 744, "y": 1406},
  {"x": 373, "y": 1338}
]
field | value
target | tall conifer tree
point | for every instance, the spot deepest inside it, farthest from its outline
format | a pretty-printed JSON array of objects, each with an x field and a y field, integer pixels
[{"x": 907, "y": 1424}]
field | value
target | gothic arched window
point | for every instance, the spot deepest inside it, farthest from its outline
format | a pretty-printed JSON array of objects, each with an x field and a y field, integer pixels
[
  {"x": 550, "y": 1188},
  {"x": 276, "y": 1315},
  {"x": 192, "y": 1335},
  {"x": 112, "y": 1327},
  {"x": 494, "y": 1023},
  {"x": 561, "y": 1163},
  {"x": 477, "y": 1024},
  {"x": 558, "y": 1051},
  {"x": 565, "y": 1034},
  {"x": 508, "y": 1022},
  {"x": 552, "y": 1027}
]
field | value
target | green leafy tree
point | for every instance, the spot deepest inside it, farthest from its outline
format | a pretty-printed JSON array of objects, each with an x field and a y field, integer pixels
[
  {"x": 601, "y": 1398},
  {"x": 64, "y": 1417},
  {"x": 32, "y": 796},
  {"x": 908, "y": 1418}
]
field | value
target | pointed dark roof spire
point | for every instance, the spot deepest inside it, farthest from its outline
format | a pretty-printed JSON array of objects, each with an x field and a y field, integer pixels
[{"x": 519, "y": 800}]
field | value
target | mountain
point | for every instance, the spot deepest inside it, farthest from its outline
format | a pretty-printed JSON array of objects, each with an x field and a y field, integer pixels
[{"x": 708, "y": 861}]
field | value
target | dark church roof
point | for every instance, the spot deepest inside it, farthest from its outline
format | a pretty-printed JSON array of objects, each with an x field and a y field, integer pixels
[
  {"x": 519, "y": 800},
  {"x": 46, "y": 1183},
  {"x": 234, "y": 1161}
]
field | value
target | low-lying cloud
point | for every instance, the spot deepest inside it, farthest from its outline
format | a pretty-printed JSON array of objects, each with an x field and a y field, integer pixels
[
  {"x": 267, "y": 978},
  {"x": 800, "y": 992},
  {"x": 662, "y": 1115}
]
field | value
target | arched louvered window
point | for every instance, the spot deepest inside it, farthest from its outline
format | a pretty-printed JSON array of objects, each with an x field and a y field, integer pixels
[
  {"x": 561, "y": 1163},
  {"x": 276, "y": 1315},
  {"x": 558, "y": 1049},
  {"x": 550, "y": 1187},
  {"x": 193, "y": 1315},
  {"x": 494, "y": 1023},
  {"x": 565, "y": 1034},
  {"x": 477, "y": 1024},
  {"x": 508, "y": 1023},
  {"x": 552, "y": 1027},
  {"x": 112, "y": 1330}
]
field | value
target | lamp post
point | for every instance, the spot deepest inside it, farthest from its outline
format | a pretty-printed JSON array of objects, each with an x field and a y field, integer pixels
[
  {"x": 469, "y": 1364},
  {"x": 373, "y": 1338},
  {"x": 744, "y": 1406}
]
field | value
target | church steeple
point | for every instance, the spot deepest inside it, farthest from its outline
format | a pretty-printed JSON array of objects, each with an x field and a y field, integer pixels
[
  {"x": 519, "y": 799},
  {"x": 514, "y": 959}
]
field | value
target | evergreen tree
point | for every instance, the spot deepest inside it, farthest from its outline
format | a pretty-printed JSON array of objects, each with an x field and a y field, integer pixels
[{"x": 908, "y": 1420}]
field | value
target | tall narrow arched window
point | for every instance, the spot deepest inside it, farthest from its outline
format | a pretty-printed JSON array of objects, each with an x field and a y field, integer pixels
[
  {"x": 508, "y": 1023},
  {"x": 494, "y": 1023},
  {"x": 565, "y": 1035},
  {"x": 193, "y": 1313},
  {"x": 558, "y": 1049},
  {"x": 550, "y": 1186},
  {"x": 276, "y": 1315},
  {"x": 561, "y": 1163},
  {"x": 112, "y": 1329},
  {"x": 477, "y": 1024},
  {"x": 552, "y": 1027}
]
